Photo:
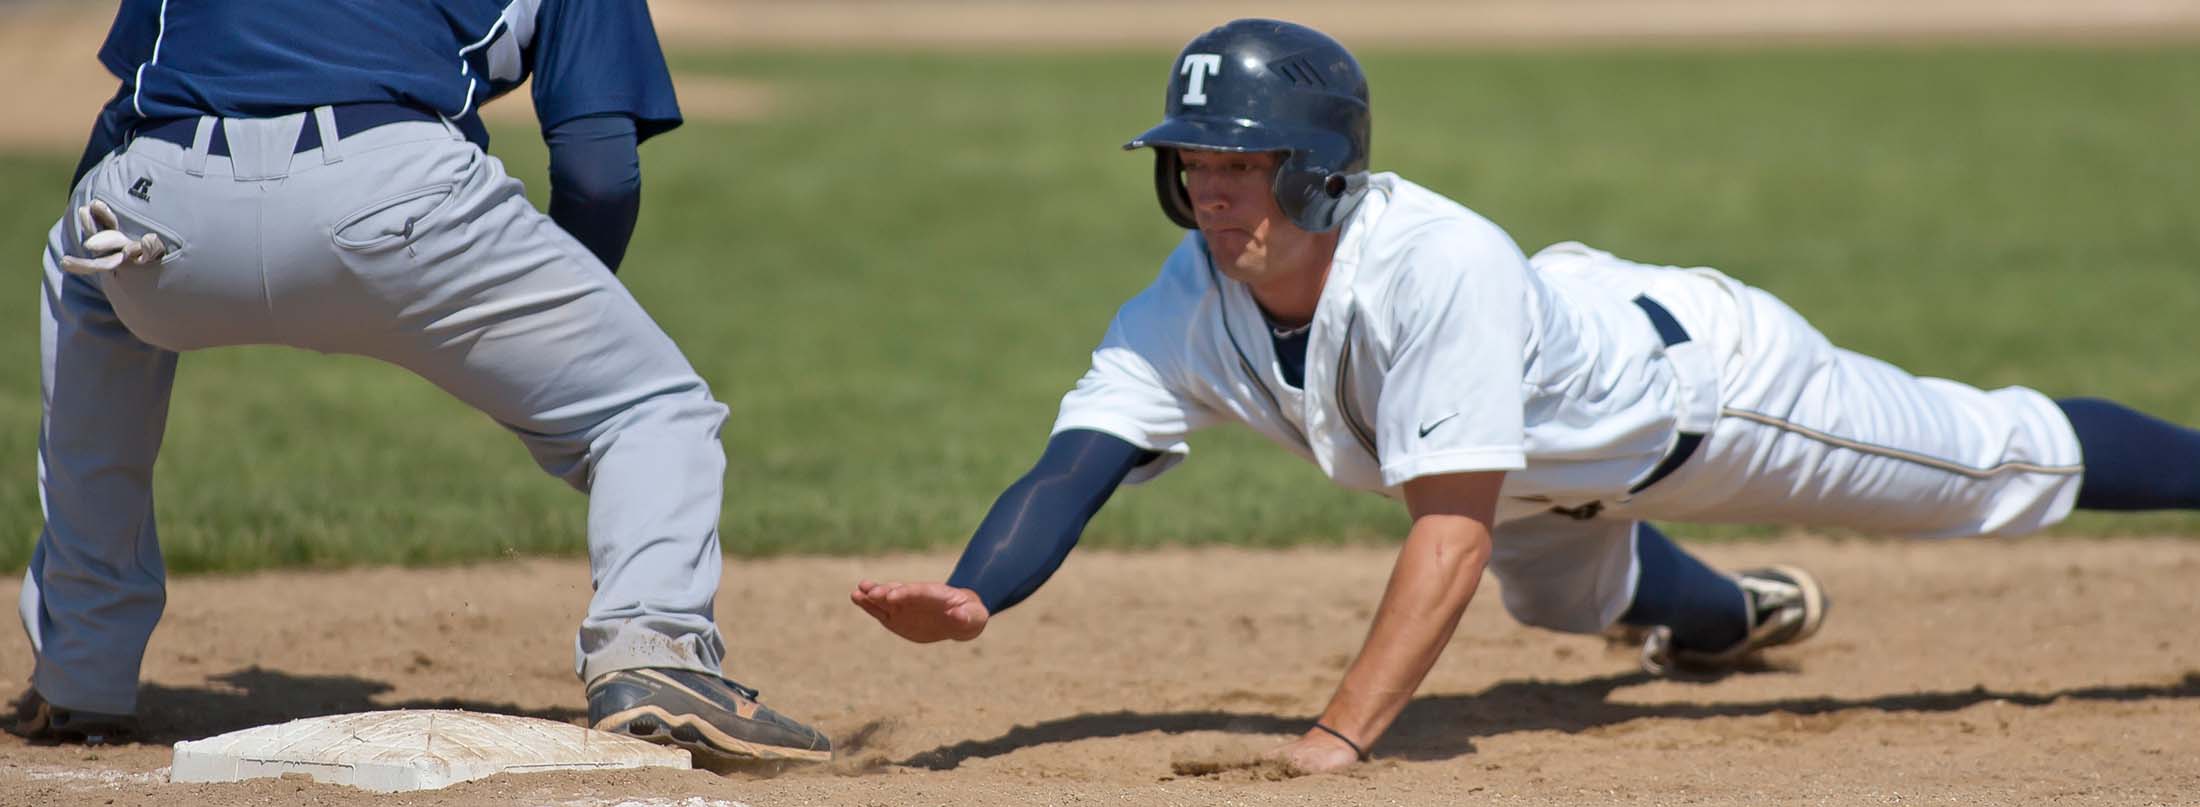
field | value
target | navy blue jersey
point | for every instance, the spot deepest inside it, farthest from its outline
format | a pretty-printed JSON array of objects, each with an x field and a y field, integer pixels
[{"x": 260, "y": 58}]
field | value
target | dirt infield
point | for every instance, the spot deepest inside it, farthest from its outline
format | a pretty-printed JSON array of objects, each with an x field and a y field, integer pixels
[{"x": 1968, "y": 672}]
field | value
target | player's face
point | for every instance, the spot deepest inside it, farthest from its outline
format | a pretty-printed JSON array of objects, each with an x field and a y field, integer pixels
[{"x": 1234, "y": 201}]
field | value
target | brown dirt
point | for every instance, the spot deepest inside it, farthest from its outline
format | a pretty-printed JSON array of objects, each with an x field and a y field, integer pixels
[{"x": 1968, "y": 672}]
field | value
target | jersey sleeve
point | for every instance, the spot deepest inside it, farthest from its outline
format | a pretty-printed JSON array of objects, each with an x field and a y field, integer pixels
[
  {"x": 131, "y": 40},
  {"x": 1452, "y": 401},
  {"x": 1138, "y": 389},
  {"x": 601, "y": 57}
]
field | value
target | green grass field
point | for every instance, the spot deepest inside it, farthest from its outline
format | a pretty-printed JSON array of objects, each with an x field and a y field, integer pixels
[{"x": 894, "y": 277}]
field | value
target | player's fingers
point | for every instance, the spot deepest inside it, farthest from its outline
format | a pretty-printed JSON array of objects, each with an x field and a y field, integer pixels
[
  {"x": 905, "y": 594},
  {"x": 103, "y": 217},
  {"x": 911, "y": 598},
  {"x": 876, "y": 612},
  {"x": 106, "y": 242},
  {"x": 869, "y": 600},
  {"x": 151, "y": 248},
  {"x": 80, "y": 266},
  {"x": 84, "y": 224}
]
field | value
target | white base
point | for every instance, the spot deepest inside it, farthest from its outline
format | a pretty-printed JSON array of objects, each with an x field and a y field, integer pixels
[{"x": 412, "y": 749}]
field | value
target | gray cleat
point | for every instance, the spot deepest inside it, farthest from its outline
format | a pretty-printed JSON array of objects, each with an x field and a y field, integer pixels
[
  {"x": 39, "y": 721},
  {"x": 713, "y": 718}
]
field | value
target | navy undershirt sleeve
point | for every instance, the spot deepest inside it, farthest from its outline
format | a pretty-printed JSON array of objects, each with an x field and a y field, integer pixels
[
  {"x": 596, "y": 182},
  {"x": 107, "y": 133},
  {"x": 1035, "y": 523}
]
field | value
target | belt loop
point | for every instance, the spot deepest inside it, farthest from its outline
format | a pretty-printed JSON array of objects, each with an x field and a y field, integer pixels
[
  {"x": 325, "y": 118},
  {"x": 202, "y": 139}
]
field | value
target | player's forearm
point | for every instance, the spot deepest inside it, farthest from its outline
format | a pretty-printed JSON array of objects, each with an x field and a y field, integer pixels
[
  {"x": 1037, "y": 521},
  {"x": 596, "y": 183},
  {"x": 1435, "y": 577}
]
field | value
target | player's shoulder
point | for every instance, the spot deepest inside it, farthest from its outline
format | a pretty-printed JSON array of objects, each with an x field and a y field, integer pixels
[
  {"x": 1170, "y": 318},
  {"x": 1416, "y": 219},
  {"x": 1417, "y": 235}
]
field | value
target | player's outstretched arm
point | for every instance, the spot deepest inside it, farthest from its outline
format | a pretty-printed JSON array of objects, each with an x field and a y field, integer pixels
[
  {"x": 1430, "y": 585},
  {"x": 1024, "y": 538}
]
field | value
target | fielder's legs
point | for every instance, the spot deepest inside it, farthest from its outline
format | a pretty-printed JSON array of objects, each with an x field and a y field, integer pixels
[
  {"x": 96, "y": 584},
  {"x": 407, "y": 244},
  {"x": 452, "y": 274},
  {"x": 471, "y": 287}
]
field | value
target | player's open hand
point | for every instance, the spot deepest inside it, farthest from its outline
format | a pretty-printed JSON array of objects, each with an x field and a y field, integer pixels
[{"x": 923, "y": 612}]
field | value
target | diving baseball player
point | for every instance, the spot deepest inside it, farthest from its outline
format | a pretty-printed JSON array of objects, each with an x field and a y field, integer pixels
[
  {"x": 312, "y": 174},
  {"x": 1532, "y": 413}
]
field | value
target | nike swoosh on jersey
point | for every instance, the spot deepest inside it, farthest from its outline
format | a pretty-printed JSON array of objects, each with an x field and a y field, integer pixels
[{"x": 1429, "y": 427}]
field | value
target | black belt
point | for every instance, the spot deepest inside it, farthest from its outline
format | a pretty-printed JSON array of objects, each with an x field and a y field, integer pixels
[
  {"x": 351, "y": 119},
  {"x": 1686, "y": 443}
]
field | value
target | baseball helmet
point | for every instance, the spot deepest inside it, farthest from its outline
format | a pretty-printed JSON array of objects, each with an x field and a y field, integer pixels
[{"x": 1267, "y": 85}]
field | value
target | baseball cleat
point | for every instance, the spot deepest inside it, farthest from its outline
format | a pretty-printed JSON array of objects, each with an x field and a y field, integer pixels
[
  {"x": 712, "y": 717},
  {"x": 1786, "y": 605},
  {"x": 35, "y": 719}
]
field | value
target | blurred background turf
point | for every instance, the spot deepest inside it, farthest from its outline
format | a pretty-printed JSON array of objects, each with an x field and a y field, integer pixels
[{"x": 893, "y": 276}]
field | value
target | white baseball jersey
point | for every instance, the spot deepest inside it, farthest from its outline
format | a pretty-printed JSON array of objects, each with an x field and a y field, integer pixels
[{"x": 1435, "y": 349}]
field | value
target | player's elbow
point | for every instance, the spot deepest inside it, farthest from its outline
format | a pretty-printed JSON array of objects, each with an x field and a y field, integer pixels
[
  {"x": 594, "y": 162},
  {"x": 1468, "y": 551},
  {"x": 1459, "y": 545},
  {"x": 595, "y": 187}
]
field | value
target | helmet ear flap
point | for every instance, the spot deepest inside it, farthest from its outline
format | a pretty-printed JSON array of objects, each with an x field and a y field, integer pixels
[
  {"x": 1317, "y": 200},
  {"x": 1341, "y": 194},
  {"x": 1168, "y": 184},
  {"x": 1337, "y": 184}
]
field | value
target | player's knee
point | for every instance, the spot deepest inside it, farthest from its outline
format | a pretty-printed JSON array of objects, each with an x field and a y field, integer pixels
[
  {"x": 692, "y": 410},
  {"x": 679, "y": 404},
  {"x": 678, "y": 419},
  {"x": 686, "y": 415},
  {"x": 1552, "y": 611}
]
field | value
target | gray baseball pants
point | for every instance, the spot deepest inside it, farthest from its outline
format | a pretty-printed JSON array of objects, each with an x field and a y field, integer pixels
[{"x": 403, "y": 243}]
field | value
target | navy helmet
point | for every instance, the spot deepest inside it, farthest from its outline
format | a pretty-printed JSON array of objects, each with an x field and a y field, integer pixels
[{"x": 1268, "y": 85}]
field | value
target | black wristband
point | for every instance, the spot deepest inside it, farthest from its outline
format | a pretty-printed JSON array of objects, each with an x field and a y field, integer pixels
[{"x": 1356, "y": 749}]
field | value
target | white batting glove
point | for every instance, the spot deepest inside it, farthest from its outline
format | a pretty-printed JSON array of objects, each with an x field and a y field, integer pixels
[{"x": 109, "y": 248}]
